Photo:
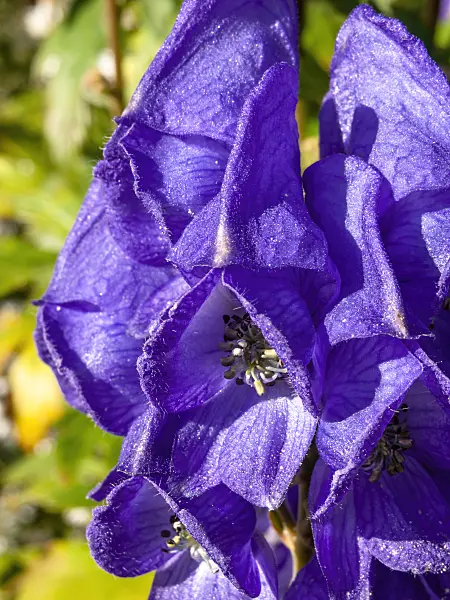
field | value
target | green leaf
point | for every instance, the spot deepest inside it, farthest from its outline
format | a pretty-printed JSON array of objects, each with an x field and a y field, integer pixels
[
  {"x": 314, "y": 80},
  {"x": 79, "y": 440},
  {"x": 156, "y": 20},
  {"x": 64, "y": 58},
  {"x": 22, "y": 264},
  {"x": 79, "y": 458},
  {"x": 323, "y": 22},
  {"x": 68, "y": 571},
  {"x": 50, "y": 210}
]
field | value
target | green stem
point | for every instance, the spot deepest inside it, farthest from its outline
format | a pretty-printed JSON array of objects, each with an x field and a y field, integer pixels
[
  {"x": 284, "y": 524},
  {"x": 286, "y": 516},
  {"x": 113, "y": 27},
  {"x": 303, "y": 550}
]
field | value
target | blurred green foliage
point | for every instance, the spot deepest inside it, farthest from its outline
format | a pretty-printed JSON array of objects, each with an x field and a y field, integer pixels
[{"x": 56, "y": 108}]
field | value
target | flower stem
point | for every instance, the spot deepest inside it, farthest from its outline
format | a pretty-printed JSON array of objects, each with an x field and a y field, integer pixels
[
  {"x": 284, "y": 524},
  {"x": 296, "y": 534},
  {"x": 113, "y": 27},
  {"x": 304, "y": 548}
]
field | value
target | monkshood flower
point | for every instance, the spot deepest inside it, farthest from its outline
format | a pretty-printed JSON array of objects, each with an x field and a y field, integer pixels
[
  {"x": 226, "y": 371},
  {"x": 389, "y": 239},
  {"x": 385, "y": 584},
  {"x": 208, "y": 547},
  {"x": 165, "y": 161},
  {"x": 390, "y": 501},
  {"x": 389, "y": 104},
  {"x": 379, "y": 195}
]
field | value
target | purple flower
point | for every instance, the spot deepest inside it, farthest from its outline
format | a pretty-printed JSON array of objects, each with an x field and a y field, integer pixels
[
  {"x": 396, "y": 506},
  {"x": 207, "y": 547},
  {"x": 389, "y": 105},
  {"x": 227, "y": 368},
  {"x": 381, "y": 360},
  {"x": 392, "y": 250},
  {"x": 164, "y": 162}
]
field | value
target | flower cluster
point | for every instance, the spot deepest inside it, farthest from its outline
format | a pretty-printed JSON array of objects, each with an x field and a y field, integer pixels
[{"x": 275, "y": 352}]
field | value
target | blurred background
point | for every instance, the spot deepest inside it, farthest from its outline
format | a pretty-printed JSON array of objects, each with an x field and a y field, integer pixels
[{"x": 59, "y": 89}]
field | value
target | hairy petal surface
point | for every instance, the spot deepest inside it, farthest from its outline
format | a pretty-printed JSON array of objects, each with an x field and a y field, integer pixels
[
  {"x": 175, "y": 177},
  {"x": 223, "y": 523},
  {"x": 188, "y": 579},
  {"x": 429, "y": 426},
  {"x": 265, "y": 446},
  {"x": 259, "y": 219},
  {"x": 363, "y": 380},
  {"x": 141, "y": 235},
  {"x": 180, "y": 367},
  {"x": 274, "y": 301},
  {"x": 405, "y": 519},
  {"x": 416, "y": 235},
  {"x": 343, "y": 557},
  {"x": 383, "y": 71},
  {"x": 345, "y": 197},
  {"x": 94, "y": 316},
  {"x": 125, "y": 535},
  {"x": 200, "y": 439},
  {"x": 216, "y": 53},
  {"x": 147, "y": 448},
  {"x": 436, "y": 369}
]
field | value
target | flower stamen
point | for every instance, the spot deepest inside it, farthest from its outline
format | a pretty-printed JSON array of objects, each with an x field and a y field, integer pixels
[
  {"x": 388, "y": 453},
  {"x": 182, "y": 540},
  {"x": 250, "y": 358}
]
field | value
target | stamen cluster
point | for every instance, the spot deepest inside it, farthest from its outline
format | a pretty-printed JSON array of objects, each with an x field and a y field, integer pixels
[
  {"x": 250, "y": 359},
  {"x": 182, "y": 540},
  {"x": 388, "y": 453}
]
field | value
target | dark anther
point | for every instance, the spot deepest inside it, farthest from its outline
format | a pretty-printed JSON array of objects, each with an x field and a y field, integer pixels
[
  {"x": 227, "y": 361},
  {"x": 165, "y": 533},
  {"x": 173, "y": 519},
  {"x": 230, "y": 374},
  {"x": 230, "y": 334},
  {"x": 388, "y": 453},
  {"x": 226, "y": 346},
  {"x": 250, "y": 358}
]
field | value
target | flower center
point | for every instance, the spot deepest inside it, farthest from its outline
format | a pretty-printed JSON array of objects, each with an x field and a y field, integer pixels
[
  {"x": 179, "y": 539},
  {"x": 388, "y": 453},
  {"x": 250, "y": 359}
]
